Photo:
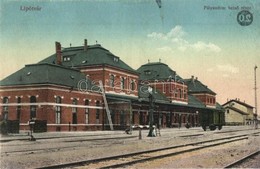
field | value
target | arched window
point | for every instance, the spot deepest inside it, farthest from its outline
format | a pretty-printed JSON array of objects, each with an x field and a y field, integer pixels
[
  {"x": 112, "y": 80},
  {"x": 97, "y": 112},
  {"x": 132, "y": 85},
  {"x": 180, "y": 93},
  {"x": 74, "y": 111},
  {"x": 175, "y": 93},
  {"x": 58, "y": 110},
  {"x": 185, "y": 94},
  {"x": 5, "y": 108},
  {"x": 32, "y": 107},
  {"x": 122, "y": 83},
  {"x": 18, "y": 110},
  {"x": 122, "y": 118},
  {"x": 87, "y": 111}
]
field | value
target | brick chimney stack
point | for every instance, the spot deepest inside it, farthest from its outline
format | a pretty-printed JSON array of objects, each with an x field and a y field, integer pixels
[
  {"x": 58, "y": 53},
  {"x": 192, "y": 79},
  {"x": 85, "y": 44}
]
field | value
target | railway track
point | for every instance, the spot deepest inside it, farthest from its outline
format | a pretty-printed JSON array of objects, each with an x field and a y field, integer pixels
[
  {"x": 142, "y": 156},
  {"x": 26, "y": 137},
  {"x": 96, "y": 141},
  {"x": 236, "y": 163},
  {"x": 233, "y": 131}
]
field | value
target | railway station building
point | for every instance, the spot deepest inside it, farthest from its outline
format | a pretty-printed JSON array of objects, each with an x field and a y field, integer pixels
[
  {"x": 89, "y": 88},
  {"x": 238, "y": 112}
]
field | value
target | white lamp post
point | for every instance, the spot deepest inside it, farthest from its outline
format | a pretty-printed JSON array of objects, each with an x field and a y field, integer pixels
[{"x": 151, "y": 110}]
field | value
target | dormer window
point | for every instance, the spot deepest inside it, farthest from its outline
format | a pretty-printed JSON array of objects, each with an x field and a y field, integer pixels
[
  {"x": 66, "y": 58},
  {"x": 147, "y": 72},
  {"x": 116, "y": 59}
]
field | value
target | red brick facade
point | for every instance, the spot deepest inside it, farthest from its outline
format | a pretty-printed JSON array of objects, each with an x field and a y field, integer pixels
[
  {"x": 175, "y": 91},
  {"x": 207, "y": 99},
  {"x": 81, "y": 108},
  {"x": 46, "y": 107},
  {"x": 120, "y": 84}
]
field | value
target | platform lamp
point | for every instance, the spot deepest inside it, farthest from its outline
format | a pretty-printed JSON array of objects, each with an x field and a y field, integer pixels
[{"x": 151, "y": 110}]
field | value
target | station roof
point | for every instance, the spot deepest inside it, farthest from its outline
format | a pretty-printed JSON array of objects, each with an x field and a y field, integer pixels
[
  {"x": 44, "y": 74},
  {"x": 158, "y": 96},
  {"x": 157, "y": 71},
  {"x": 194, "y": 102},
  {"x": 195, "y": 86},
  {"x": 161, "y": 98},
  {"x": 219, "y": 107},
  {"x": 94, "y": 55},
  {"x": 239, "y": 102}
]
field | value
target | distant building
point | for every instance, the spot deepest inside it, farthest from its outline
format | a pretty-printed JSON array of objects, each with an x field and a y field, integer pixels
[
  {"x": 238, "y": 113},
  {"x": 65, "y": 91}
]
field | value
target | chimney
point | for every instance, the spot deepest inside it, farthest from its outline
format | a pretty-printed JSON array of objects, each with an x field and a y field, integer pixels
[
  {"x": 58, "y": 53},
  {"x": 196, "y": 78},
  {"x": 85, "y": 44},
  {"x": 192, "y": 78}
]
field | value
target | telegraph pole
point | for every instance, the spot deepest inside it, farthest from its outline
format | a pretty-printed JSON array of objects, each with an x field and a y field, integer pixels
[{"x": 255, "y": 115}]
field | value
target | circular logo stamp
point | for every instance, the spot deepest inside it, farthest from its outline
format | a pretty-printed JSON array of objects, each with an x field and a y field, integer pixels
[{"x": 244, "y": 18}]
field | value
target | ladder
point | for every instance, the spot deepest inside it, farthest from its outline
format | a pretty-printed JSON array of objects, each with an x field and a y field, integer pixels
[
  {"x": 157, "y": 131},
  {"x": 106, "y": 105}
]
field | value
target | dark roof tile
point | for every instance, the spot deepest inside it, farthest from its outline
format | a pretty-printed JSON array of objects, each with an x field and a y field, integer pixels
[
  {"x": 94, "y": 55},
  {"x": 194, "y": 102},
  {"x": 157, "y": 71},
  {"x": 44, "y": 74},
  {"x": 239, "y": 102},
  {"x": 195, "y": 86}
]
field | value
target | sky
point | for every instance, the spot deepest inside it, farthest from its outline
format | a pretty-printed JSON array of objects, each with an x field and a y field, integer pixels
[{"x": 193, "y": 37}]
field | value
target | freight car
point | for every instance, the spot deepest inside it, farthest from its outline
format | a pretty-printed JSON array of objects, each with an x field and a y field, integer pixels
[{"x": 212, "y": 119}]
